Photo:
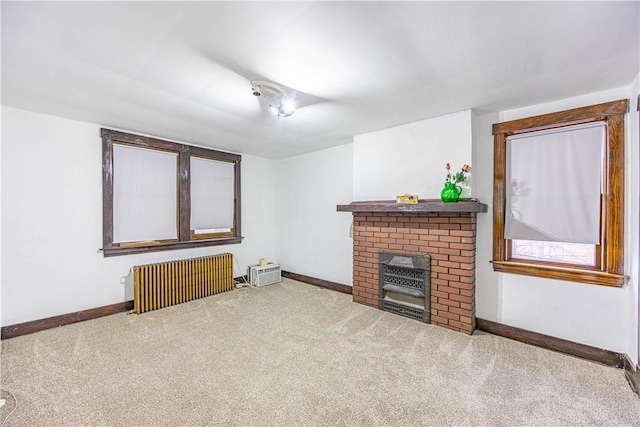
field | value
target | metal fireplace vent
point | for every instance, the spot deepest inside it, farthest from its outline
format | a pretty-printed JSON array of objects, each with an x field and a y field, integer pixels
[{"x": 405, "y": 283}]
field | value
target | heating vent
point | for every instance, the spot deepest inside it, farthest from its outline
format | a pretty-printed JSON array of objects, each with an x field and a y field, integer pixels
[
  {"x": 261, "y": 275},
  {"x": 174, "y": 282},
  {"x": 405, "y": 285}
]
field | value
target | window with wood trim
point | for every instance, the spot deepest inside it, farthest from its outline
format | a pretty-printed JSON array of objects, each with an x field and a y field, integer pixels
[
  {"x": 161, "y": 195},
  {"x": 558, "y": 208}
]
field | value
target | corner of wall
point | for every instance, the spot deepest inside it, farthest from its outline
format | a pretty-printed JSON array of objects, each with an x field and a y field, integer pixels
[
  {"x": 1, "y": 168},
  {"x": 488, "y": 300},
  {"x": 632, "y": 247},
  {"x": 312, "y": 238}
]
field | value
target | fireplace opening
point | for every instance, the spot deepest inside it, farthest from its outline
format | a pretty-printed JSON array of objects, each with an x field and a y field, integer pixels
[{"x": 405, "y": 283}]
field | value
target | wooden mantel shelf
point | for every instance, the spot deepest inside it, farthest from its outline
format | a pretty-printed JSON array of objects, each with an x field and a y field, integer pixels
[{"x": 429, "y": 205}]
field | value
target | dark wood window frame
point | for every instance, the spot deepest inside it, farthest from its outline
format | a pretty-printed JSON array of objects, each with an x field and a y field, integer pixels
[
  {"x": 611, "y": 270},
  {"x": 184, "y": 153}
]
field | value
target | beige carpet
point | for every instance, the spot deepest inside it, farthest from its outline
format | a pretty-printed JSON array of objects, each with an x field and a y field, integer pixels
[{"x": 292, "y": 354}]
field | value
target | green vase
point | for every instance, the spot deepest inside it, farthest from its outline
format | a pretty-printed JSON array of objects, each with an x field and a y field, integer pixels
[{"x": 450, "y": 193}]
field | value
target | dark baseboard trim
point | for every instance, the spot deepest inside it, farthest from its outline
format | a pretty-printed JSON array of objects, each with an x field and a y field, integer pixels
[
  {"x": 632, "y": 373},
  {"x": 318, "y": 282},
  {"x": 25, "y": 328},
  {"x": 595, "y": 354}
]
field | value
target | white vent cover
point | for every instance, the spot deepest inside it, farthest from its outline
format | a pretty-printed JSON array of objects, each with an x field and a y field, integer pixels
[{"x": 262, "y": 275}]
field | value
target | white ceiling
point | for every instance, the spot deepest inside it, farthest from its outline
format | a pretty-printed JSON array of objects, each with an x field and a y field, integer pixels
[{"x": 182, "y": 70}]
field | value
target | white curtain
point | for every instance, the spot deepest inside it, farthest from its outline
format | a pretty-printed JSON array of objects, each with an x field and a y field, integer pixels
[
  {"x": 144, "y": 194},
  {"x": 554, "y": 183},
  {"x": 212, "y": 194}
]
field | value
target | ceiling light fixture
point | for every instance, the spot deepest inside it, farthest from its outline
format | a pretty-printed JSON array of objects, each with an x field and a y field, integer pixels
[
  {"x": 275, "y": 96},
  {"x": 284, "y": 109}
]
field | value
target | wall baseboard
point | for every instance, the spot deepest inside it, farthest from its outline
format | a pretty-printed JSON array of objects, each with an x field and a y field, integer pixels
[
  {"x": 632, "y": 374},
  {"x": 25, "y": 328},
  {"x": 318, "y": 282},
  {"x": 606, "y": 357},
  {"x": 571, "y": 348}
]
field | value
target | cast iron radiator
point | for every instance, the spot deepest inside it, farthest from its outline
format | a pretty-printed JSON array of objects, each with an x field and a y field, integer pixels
[{"x": 169, "y": 283}]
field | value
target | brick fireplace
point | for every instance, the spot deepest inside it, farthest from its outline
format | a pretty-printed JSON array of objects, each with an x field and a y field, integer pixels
[{"x": 445, "y": 231}]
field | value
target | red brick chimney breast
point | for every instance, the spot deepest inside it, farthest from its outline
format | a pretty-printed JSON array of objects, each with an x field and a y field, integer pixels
[{"x": 450, "y": 239}]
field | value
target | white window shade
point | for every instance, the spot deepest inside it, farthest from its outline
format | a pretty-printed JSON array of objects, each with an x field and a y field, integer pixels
[
  {"x": 144, "y": 194},
  {"x": 212, "y": 195},
  {"x": 554, "y": 184}
]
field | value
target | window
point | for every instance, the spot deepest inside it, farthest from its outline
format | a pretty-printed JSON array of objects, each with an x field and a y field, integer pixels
[
  {"x": 559, "y": 195},
  {"x": 161, "y": 195}
]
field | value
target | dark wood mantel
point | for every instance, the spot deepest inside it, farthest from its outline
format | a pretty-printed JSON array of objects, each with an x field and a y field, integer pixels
[{"x": 429, "y": 205}]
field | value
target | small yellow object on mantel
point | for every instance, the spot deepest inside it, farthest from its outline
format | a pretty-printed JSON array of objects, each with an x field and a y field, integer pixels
[{"x": 406, "y": 199}]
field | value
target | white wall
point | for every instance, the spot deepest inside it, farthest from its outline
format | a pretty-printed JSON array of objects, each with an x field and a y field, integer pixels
[
  {"x": 487, "y": 294},
  {"x": 312, "y": 237},
  {"x": 52, "y": 208},
  {"x": 52, "y": 219},
  {"x": 593, "y": 315},
  {"x": 632, "y": 158},
  {"x": 600, "y": 316},
  {"x": 0, "y": 214},
  {"x": 411, "y": 158}
]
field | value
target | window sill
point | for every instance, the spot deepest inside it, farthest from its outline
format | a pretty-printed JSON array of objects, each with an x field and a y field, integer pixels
[
  {"x": 129, "y": 250},
  {"x": 561, "y": 273}
]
